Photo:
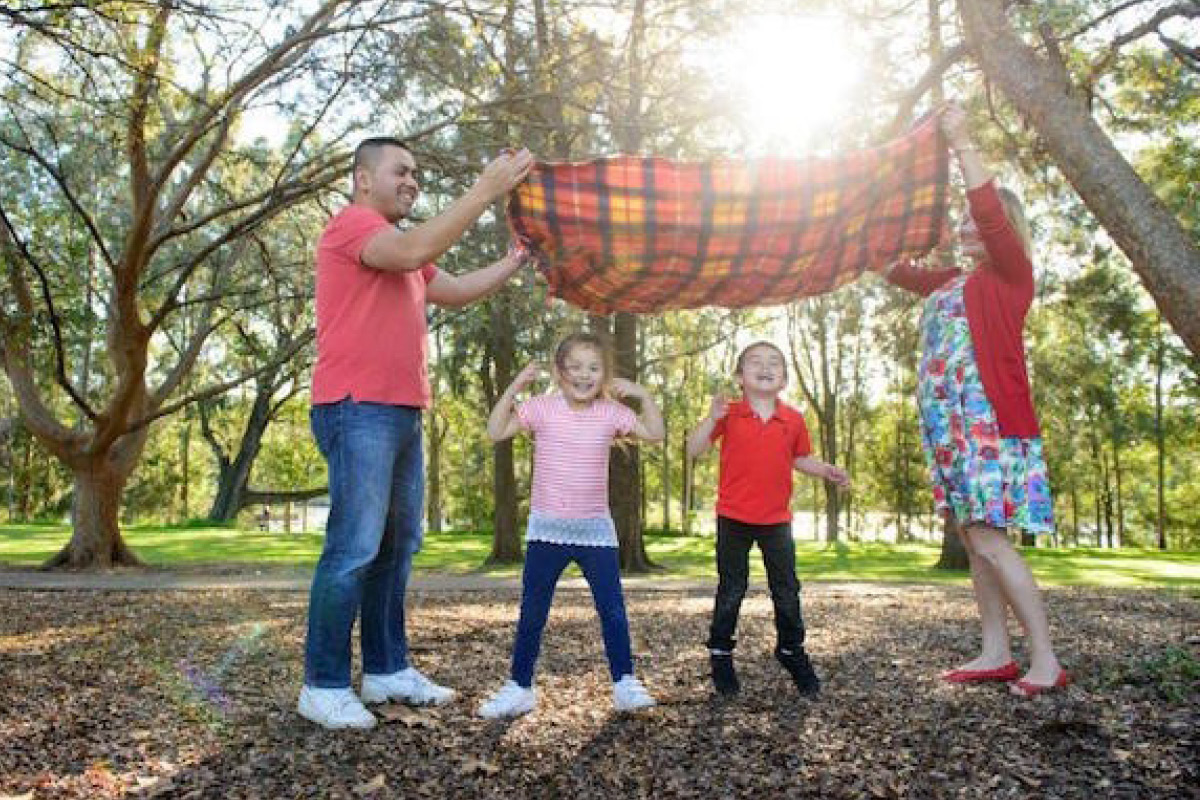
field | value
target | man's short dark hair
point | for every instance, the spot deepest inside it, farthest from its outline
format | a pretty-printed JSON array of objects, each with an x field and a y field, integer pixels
[{"x": 368, "y": 150}]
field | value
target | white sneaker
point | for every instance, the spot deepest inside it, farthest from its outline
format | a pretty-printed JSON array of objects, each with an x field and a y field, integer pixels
[
  {"x": 408, "y": 686},
  {"x": 511, "y": 700},
  {"x": 333, "y": 708},
  {"x": 630, "y": 695}
]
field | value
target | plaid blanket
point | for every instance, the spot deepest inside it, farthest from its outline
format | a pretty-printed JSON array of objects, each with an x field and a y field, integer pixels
[{"x": 651, "y": 234}]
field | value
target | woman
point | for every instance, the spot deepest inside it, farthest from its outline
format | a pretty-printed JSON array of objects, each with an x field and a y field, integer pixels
[{"x": 978, "y": 426}]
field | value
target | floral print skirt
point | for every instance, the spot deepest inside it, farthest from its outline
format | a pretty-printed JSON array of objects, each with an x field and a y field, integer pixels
[{"x": 977, "y": 475}]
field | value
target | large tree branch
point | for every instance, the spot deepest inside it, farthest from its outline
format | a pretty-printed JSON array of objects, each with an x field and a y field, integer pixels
[
  {"x": 1161, "y": 251},
  {"x": 1100, "y": 19},
  {"x": 258, "y": 497},
  {"x": 17, "y": 281},
  {"x": 136, "y": 151},
  {"x": 199, "y": 174},
  {"x": 15, "y": 335}
]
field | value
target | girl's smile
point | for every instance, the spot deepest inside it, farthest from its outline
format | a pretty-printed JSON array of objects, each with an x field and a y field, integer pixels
[{"x": 581, "y": 377}]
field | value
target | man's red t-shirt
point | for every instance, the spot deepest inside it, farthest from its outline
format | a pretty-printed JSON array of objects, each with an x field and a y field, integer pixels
[
  {"x": 757, "y": 458},
  {"x": 371, "y": 331}
]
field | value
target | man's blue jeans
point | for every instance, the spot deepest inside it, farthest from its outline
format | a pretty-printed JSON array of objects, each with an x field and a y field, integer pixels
[{"x": 376, "y": 488}]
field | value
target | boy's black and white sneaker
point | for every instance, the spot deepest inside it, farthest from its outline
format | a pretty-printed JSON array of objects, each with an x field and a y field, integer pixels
[
  {"x": 800, "y": 668},
  {"x": 724, "y": 676}
]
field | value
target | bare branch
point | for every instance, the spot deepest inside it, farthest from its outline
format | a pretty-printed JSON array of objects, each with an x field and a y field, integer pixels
[
  {"x": 1187, "y": 10},
  {"x": 60, "y": 180},
  {"x": 222, "y": 388},
  {"x": 1189, "y": 56},
  {"x": 244, "y": 226},
  {"x": 908, "y": 101}
]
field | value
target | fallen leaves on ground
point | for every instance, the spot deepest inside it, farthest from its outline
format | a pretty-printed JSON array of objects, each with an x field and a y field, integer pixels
[{"x": 192, "y": 695}]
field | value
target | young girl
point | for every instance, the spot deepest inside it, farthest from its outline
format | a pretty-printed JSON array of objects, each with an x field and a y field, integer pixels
[{"x": 569, "y": 519}]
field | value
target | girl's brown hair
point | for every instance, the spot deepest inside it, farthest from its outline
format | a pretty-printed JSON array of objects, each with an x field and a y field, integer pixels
[{"x": 586, "y": 339}]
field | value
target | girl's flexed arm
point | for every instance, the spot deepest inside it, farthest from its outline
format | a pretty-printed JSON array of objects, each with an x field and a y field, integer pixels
[
  {"x": 503, "y": 423},
  {"x": 649, "y": 424}
]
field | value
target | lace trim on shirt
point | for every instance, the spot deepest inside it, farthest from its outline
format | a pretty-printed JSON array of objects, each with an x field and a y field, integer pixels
[{"x": 587, "y": 532}]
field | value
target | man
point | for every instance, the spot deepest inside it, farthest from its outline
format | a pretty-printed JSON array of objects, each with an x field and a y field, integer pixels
[{"x": 369, "y": 387}]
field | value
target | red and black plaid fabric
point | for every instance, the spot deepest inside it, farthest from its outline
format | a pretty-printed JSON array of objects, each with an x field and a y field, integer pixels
[{"x": 651, "y": 234}]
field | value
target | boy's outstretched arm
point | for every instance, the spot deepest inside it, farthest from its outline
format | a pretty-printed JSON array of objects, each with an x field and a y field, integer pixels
[
  {"x": 819, "y": 469},
  {"x": 701, "y": 438},
  {"x": 503, "y": 423},
  {"x": 650, "y": 425}
]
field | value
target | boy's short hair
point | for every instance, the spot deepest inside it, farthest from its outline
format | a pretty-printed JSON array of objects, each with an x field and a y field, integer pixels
[{"x": 741, "y": 359}]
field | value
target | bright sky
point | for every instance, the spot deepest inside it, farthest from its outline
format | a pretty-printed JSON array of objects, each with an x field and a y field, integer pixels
[{"x": 790, "y": 78}]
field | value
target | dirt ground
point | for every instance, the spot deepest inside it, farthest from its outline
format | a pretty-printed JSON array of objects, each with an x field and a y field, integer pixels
[{"x": 191, "y": 695}]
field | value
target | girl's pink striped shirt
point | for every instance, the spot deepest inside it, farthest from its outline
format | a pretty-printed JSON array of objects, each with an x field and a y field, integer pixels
[{"x": 570, "y": 453}]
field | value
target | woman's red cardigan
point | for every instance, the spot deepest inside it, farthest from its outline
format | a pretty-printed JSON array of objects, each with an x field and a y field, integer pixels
[{"x": 997, "y": 295}]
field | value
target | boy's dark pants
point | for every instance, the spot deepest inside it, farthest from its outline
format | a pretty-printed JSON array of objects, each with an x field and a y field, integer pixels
[{"x": 734, "y": 540}]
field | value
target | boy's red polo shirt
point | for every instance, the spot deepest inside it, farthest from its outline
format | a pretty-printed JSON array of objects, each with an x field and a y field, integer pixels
[{"x": 757, "y": 461}]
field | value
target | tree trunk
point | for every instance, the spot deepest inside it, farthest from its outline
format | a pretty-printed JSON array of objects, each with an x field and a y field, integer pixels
[
  {"x": 435, "y": 435},
  {"x": 1160, "y": 441},
  {"x": 833, "y": 503},
  {"x": 96, "y": 541},
  {"x": 624, "y": 486},
  {"x": 665, "y": 478},
  {"x": 25, "y": 503},
  {"x": 185, "y": 446},
  {"x": 506, "y": 534},
  {"x": 1117, "y": 476},
  {"x": 687, "y": 468},
  {"x": 954, "y": 554},
  {"x": 433, "y": 480},
  {"x": 624, "y": 482},
  {"x": 506, "y": 538},
  {"x": 1075, "y": 511},
  {"x": 1162, "y": 253},
  {"x": 233, "y": 477}
]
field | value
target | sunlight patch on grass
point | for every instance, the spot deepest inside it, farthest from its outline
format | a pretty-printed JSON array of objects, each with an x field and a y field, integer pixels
[{"x": 676, "y": 556}]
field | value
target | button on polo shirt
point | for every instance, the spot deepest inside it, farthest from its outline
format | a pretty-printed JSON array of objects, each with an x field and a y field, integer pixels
[{"x": 757, "y": 458}]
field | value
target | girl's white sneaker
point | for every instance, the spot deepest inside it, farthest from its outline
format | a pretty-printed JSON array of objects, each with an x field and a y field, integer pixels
[
  {"x": 629, "y": 694},
  {"x": 510, "y": 701}
]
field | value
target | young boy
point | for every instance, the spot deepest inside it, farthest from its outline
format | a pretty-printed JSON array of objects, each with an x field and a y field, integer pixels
[{"x": 762, "y": 440}]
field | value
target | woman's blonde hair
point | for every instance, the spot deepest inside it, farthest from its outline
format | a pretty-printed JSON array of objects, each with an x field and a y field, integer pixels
[{"x": 1014, "y": 209}]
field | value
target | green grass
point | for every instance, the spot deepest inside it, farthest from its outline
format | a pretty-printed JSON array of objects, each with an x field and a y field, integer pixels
[{"x": 681, "y": 557}]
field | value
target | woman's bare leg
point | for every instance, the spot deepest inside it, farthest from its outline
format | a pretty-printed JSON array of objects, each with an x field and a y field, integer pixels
[
  {"x": 995, "y": 647},
  {"x": 1020, "y": 591}
]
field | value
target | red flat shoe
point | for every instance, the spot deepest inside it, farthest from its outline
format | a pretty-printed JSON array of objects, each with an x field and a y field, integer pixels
[
  {"x": 1027, "y": 690},
  {"x": 1006, "y": 674}
]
